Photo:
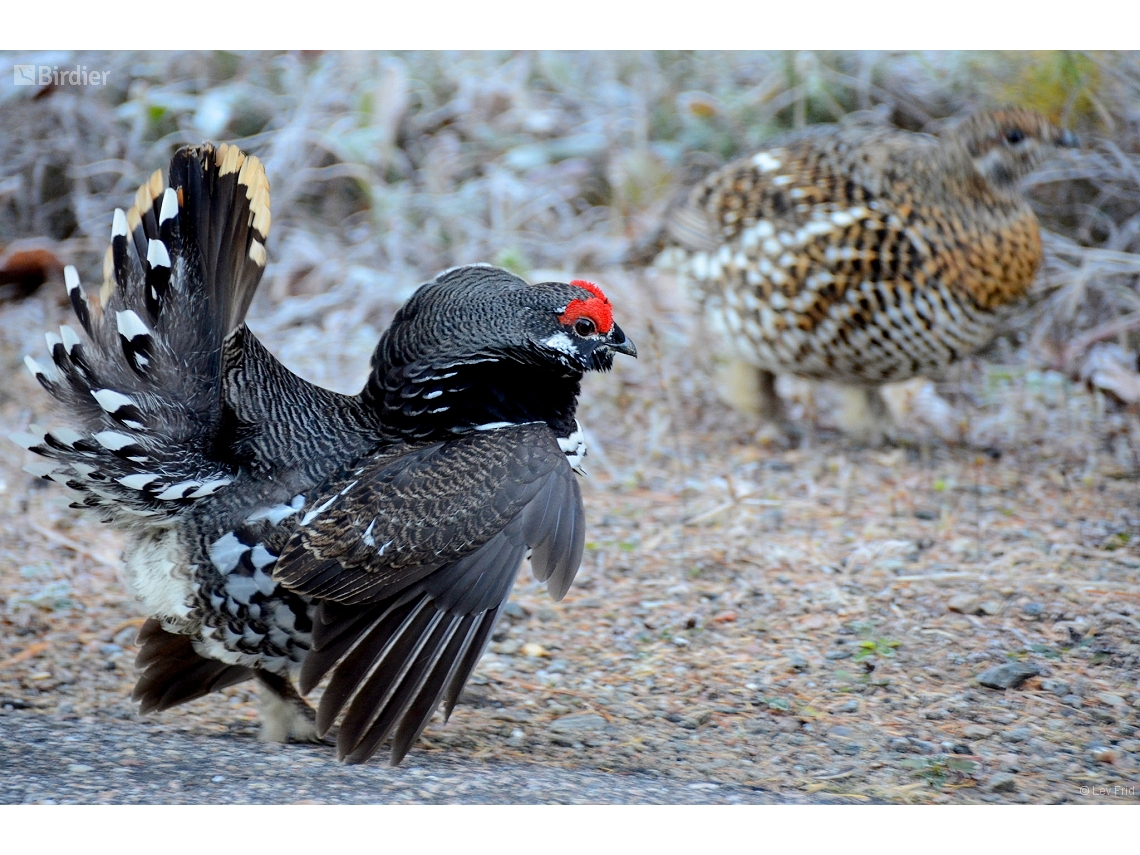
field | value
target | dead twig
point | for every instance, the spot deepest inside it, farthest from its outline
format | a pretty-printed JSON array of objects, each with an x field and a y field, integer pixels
[
  {"x": 58, "y": 539},
  {"x": 26, "y": 653}
]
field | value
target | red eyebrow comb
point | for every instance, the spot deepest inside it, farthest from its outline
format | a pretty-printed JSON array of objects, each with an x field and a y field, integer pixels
[{"x": 596, "y": 308}]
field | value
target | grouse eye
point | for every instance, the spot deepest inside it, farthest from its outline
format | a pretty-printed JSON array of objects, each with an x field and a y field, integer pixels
[
  {"x": 1014, "y": 136},
  {"x": 585, "y": 327}
]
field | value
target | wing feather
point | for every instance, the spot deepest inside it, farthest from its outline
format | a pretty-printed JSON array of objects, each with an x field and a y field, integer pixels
[
  {"x": 411, "y": 558},
  {"x": 367, "y": 644},
  {"x": 378, "y": 703}
]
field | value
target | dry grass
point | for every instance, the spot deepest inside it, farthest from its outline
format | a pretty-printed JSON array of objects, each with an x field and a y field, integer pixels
[{"x": 386, "y": 168}]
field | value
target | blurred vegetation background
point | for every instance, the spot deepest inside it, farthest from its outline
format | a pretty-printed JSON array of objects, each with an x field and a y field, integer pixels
[{"x": 387, "y": 167}]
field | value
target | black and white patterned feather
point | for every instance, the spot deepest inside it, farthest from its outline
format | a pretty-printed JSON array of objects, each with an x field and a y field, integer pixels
[
  {"x": 283, "y": 530},
  {"x": 145, "y": 388}
]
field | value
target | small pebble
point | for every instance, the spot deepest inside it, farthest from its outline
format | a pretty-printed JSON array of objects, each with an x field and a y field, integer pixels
[
  {"x": 1002, "y": 782},
  {"x": 965, "y": 604},
  {"x": 1103, "y": 755},
  {"x": 1007, "y": 676},
  {"x": 976, "y": 731},
  {"x": 577, "y": 722},
  {"x": 1033, "y": 609},
  {"x": 217, "y": 779},
  {"x": 1009, "y": 762},
  {"x": 629, "y": 712},
  {"x": 692, "y": 722},
  {"x": 78, "y": 767}
]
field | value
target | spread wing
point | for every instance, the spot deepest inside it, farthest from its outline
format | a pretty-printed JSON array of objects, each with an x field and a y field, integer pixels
[{"x": 410, "y": 557}]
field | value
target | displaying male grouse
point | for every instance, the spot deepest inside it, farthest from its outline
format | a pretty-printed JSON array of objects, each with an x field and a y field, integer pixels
[
  {"x": 863, "y": 255},
  {"x": 280, "y": 527}
]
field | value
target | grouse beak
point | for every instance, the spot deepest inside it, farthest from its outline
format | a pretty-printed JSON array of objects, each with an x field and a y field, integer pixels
[{"x": 617, "y": 341}]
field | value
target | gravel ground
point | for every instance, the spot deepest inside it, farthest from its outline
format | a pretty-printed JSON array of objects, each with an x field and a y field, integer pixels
[
  {"x": 783, "y": 622},
  {"x": 49, "y": 760}
]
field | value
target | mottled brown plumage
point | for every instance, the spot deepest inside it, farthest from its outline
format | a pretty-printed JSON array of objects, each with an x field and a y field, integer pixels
[{"x": 865, "y": 255}]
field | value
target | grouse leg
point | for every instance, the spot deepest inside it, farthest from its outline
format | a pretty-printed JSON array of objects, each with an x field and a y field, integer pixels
[
  {"x": 749, "y": 389},
  {"x": 864, "y": 415},
  {"x": 285, "y": 716}
]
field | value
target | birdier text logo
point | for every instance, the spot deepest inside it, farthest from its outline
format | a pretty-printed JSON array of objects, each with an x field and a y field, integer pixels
[{"x": 52, "y": 75}]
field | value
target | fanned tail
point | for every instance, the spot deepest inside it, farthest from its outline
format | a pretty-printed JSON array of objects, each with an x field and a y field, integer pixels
[
  {"x": 173, "y": 673},
  {"x": 145, "y": 387}
]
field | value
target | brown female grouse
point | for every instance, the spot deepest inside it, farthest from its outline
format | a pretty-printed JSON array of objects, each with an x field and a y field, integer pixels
[
  {"x": 862, "y": 255},
  {"x": 282, "y": 528}
]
